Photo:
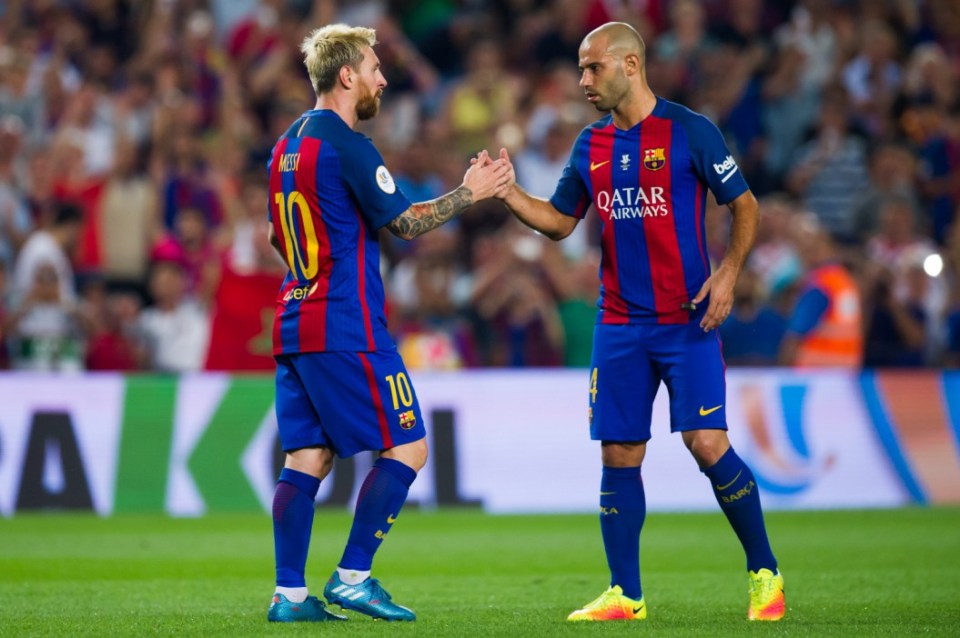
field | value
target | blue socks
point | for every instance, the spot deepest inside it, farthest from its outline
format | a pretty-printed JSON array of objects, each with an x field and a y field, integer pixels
[
  {"x": 623, "y": 507},
  {"x": 293, "y": 507},
  {"x": 381, "y": 496},
  {"x": 736, "y": 491}
]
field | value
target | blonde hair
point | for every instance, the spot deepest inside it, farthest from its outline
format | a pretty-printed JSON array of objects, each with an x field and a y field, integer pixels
[{"x": 328, "y": 49}]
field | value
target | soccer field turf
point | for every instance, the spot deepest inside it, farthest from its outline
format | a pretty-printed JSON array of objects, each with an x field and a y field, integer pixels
[{"x": 880, "y": 573}]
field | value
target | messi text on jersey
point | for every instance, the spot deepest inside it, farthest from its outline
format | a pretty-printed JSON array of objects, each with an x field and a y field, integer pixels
[{"x": 289, "y": 162}]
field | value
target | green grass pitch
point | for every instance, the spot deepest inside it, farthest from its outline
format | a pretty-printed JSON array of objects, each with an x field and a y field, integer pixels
[{"x": 869, "y": 573}]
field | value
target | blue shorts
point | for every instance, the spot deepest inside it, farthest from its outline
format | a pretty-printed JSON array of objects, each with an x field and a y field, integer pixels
[
  {"x": 347, "y": 401},
  {"x": 629, "y": 361}
]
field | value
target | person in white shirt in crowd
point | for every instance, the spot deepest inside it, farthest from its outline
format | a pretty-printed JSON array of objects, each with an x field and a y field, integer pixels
[
  {"x": 175, "y": 326},
  {"x": 51, "y": 246}
]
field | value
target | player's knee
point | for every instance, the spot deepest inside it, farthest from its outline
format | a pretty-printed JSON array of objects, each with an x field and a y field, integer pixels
[
  {"x": 413, "y": 454},
  {"x": 707, "y": 446},
  {"x": 622, "y": 454},
  {"x": 313, "y": 461}
]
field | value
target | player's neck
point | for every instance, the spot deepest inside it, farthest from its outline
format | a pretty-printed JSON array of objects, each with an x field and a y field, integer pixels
[
  {"x": 631, "y": 111},
  {"x": 346, "y": 109}
]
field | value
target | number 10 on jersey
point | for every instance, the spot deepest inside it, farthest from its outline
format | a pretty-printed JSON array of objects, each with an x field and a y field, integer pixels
[{"x": 288, "y": 206}]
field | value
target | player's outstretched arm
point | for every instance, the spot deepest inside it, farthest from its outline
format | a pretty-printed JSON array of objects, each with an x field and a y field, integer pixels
[
  {"x": 537, "y": 213},
  {"x": 479, "y": 182}
]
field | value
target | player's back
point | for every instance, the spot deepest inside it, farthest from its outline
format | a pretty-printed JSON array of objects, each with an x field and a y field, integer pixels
[{"x": 326, "y": 220}]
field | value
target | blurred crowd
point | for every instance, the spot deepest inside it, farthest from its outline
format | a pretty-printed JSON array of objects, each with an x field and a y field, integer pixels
[{"x": 134, "y": 137}]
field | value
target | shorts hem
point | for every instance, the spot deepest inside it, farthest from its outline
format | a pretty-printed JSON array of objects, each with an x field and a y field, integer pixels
[
  {"x": 700, "y": 425},
  {"x": 299, "y": 445},
  {"x": 619, "y": 439}
]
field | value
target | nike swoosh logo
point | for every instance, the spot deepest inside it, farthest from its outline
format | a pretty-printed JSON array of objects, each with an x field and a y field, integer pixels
[
  {"x": 637, "y": 610},
  {"x": 710, "y": 411},
  {"x": 606, "y": 493},
  {"x": 390, "y": 519},
  {"x": 595, "y": 165},
  {"x": 720, "y": 488}
]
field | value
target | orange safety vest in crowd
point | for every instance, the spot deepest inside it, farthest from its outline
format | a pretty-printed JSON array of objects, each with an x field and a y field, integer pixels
[{"x": 837, "y": 340}]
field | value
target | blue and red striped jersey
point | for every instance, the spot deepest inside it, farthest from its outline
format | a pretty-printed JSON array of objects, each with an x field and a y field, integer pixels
[
  {"x": 329, "y": 194},
  {"x": 648, "y": 185}
]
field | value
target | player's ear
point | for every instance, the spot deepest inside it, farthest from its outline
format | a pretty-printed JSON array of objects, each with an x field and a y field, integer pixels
[
  {"x": 346, "y": 76},
  {"x": 631, "y": 63}
]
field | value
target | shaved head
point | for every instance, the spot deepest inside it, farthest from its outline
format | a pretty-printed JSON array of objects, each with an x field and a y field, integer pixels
[
  {"x": 612, "y": 69},
  {"x": 621, "y": 39}
]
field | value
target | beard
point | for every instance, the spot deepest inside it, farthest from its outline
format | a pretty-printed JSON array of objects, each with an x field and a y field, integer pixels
[
  {"x": 368, "y": 105},
  {"x": 613, "y": 93}
]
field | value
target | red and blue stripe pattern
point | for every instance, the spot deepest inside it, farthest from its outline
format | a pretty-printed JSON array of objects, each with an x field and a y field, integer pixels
[
  {"x": 340, "y": 305},
  {"x": 647, "y": 185}
]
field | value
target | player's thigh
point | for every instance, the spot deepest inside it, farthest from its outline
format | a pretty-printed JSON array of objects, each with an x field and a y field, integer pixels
[
  {"x": 298, "y": 423},
  {"x": 623, "y": 384},
  {"x": 366, "y": 400},
  {"x": 691, "y": 364}
]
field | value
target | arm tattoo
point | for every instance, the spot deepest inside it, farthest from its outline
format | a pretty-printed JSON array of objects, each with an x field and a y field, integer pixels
[{"x": 426, "y": 216}]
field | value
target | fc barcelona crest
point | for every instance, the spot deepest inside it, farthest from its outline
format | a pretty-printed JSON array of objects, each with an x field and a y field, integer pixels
[
  {"x": 408, "y": 419},
  {"x": 654, "y": 158}
]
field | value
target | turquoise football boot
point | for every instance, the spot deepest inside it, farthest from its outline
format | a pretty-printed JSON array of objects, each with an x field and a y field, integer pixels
[
  {"x": 369, "y": 598},
  {"x": 310, "y": 610}
]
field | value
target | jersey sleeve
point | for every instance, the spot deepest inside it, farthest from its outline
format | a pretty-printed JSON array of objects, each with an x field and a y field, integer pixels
[
  {"x": 371, "y": 183},
  {"x": 571, "y": 196},
  {"x": 810, "y": 308},
  {"x": 714, "y": 162}
]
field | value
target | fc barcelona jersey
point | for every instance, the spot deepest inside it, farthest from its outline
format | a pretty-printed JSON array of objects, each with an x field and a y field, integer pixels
[
  {"x": 648, "y": 185},
  {"x": 329, "y": 194}
]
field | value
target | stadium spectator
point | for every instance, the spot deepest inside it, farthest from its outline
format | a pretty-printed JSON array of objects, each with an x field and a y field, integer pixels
[
  {"x": 15, "y": 219},
  {"x": 928, "y": 126},
  {"x": 951, "y": 356},
  {"x": 428, "y": 291},
  {"x": 52, "y": 247},
  {"x": 175, "y": 326},
  {"x": 539, "y": 167},
  {"x": 17, "y": 98},
  {"x": 675, "y": 53},
  {"x": 824, "y": 329},
  {"x": 577, "y": 288},
  {"x": 115, "y": 341},
  {"x": 873, "y": 77},
  {"x": 129, "y": 219},
  {"x": 893, "y": 176},
  {"x": 774, "y": 257},
  {"x": 521, "y": 326},
  {"x": 4, "y": 311},
  {"x": 803, "y": 62},
  {"x": 830, "y": 170},
  {"x": 483, "y": 99},
  {"x": 46, "y": 332},
  {"x": 897, "y": 237},
  {"x": 897, "y": 320},
  {"x": 752, "y": 333}
]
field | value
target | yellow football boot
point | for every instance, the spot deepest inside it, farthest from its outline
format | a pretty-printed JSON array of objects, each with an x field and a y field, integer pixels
[
  {"x": 611, "y": 605},
  {"x": 766, "y": 596}
]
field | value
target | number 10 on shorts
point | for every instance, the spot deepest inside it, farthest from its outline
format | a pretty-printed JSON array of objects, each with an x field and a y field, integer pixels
[{"x": 401, "y": 391}]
